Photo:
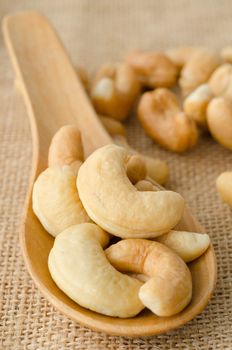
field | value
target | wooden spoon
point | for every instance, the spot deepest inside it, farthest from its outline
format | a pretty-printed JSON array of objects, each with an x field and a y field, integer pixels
[{"x": 54, "y": 97}]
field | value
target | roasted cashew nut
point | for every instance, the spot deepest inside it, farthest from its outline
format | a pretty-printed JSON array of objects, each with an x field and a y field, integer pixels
[
  {"x": 81, "y": 270},
  {"x": 181, "y": 55},
  {"x": 224, "y": 187},
  {"x": 220, "y": 81},
  {"x": 116, "y": 205},
  {"x": 169, "y": 289},
  {"x": 195, "y": 104},
  {"x": 219, "y": 119},
  {"x": 197, "y": 70},
  {"x": 153, "y": 69},
  {"x": 114, "y": 90},
  {"x": 160, "y": 115},
  {"x": 188, "y": 245}
]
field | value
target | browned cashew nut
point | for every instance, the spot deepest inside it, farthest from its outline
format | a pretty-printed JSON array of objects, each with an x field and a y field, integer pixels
[
  {"x": 114, "y": 90},
  {"x": 219, "y": 118},
  {"x": 198, "y": 70},
  {"x": 66, "y": 148},
  {"x": 169, "y": 289},
  {"x": 220, "y": 82},
  {"x": 181, "y": 55},
  {"x": 160, "y": 114},
  {"x": 153, "y": 69}
]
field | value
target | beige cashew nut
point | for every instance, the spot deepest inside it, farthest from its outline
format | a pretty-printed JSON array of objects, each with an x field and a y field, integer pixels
[
  {"x": 220, "y": 81},
  {"x": 114, "y": 203},
  {"x": 181, "y": 55},
  {"x": 188, "y": 245},
  {"x": 224, "y": 187},
  {"x": 169, "y": 289},
  {"x": 81, "y": 270}
]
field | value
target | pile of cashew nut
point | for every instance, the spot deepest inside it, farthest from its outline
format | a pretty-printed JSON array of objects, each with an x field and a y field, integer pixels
[
  {"x": 178, "y": 95},
  {"x": 85, "y": 203}
]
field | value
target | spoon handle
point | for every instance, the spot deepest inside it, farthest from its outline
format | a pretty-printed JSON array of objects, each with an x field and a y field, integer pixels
[{"x": 52, "y": 91}]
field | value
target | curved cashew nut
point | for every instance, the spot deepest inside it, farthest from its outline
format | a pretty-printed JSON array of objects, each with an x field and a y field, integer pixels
[
  {"x": 197, "y": 70},
  {"x": 145, "y": 185},
  {"x": 219, "y": 119},
  {"x": 153, "y": 69},
  {"x": 196, "y": 103},
  {"x": 136, "y": 168},
  {"x": 114, "y": 90},
  {"x": 55, "y": 200},
  {"x": 114, "y": 127},
  {"x": 224, "y": 187},
  {"x": 220, "y": 81},
  {"x": 115, "y": 204},
  {"x": 161, "y": 117},
  {"x": 156, "y": 168},
  {"x": 81, "y": 270},
  {"x": 188, "y": 245},
  {"x": 169, "y": 288},
  {"x": 181, "y": 55},
  {"x": 66, "y": 147}
]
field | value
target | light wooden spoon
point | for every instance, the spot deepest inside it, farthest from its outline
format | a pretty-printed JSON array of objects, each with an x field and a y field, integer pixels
[{"x": 54, "y": 97}]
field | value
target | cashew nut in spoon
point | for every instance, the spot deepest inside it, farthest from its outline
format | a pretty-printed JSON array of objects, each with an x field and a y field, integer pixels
[
  {"x": 188, "y": 245},
  {"x": 114, "y": 90},
  {"x": 156, "y": 169},
  {"x": 66, "y": 148},
  {"x": 169, "y": 289},
  {"x": 55, "y": 198},
  {"x": 81, "y": 270},
  {"x": 116, "y": 205},
  {"x": 160, "y": 114}
]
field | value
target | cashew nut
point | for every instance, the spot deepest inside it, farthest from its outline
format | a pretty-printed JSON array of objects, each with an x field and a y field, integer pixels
[
  {"x": 136, "y": 168},
  {"x": 145, "y": 185},
  {"x": 114, "y": 90},
  {"x": 219, "y": 119},
  {"x": 161, "y": 117},
  {"x": 114, "y": 203},
  {"x": 66, "y": 147},
  {"x": 224, "y": 187},
  {"x": 226, "y": 54},
  {"x": 81, "y": 270},
  {"x": 55, "y": 199},
  {"x": 156, "y": 168},
  {"x": 220, "y": 82},
  {"x": 169, "y": 288},
  {"x": 153, "y": 69},
  {"x": 196, "y": 103},
  {"x": 114, "y": 127},
  {"x": 197, "y": 70},
  {"x": 188, "y": 245},
  {"x": 181, "y": 55}
]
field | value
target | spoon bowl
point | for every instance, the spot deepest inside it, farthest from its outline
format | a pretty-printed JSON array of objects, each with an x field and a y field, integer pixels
[{"x": 54, "y": 97}]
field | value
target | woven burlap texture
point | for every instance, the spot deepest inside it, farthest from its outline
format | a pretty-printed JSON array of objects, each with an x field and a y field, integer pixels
[{"x": 95, "y": 32}]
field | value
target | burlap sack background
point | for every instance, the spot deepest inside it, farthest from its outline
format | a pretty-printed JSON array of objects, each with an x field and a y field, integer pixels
[{"x": 95, "y": 32}]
